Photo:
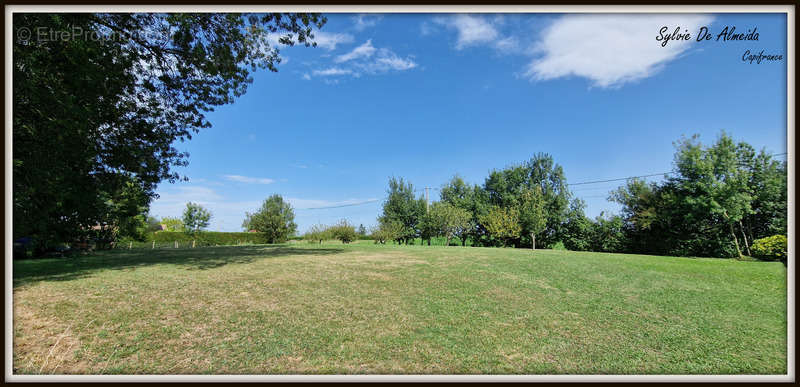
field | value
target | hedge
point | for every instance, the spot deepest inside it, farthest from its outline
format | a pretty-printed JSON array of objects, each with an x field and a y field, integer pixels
[{"x": 209, "y": 238}]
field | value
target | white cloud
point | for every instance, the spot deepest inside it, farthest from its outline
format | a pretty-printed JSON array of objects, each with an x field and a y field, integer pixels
[
  {"x": 329, "y": 41},
  {"x": 610, "y": 50},
  {"x": 326, "y": 40},
  {"x": 333, "y": 71},
  {"x": 363, "y": 21},
  {"x": 507, "y": 45},
  {"x": 388, "y": 60},
  {"x": 195, "y": 194},
  {"x": 248, "y": 179},
  {"x": 306, "y": 76},
  {"x": 472, "y": 30},
  {"x": 363, "y": 51}
]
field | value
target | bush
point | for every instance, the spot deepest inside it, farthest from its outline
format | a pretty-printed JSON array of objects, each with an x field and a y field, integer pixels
[{"x": 770, "y": 248}]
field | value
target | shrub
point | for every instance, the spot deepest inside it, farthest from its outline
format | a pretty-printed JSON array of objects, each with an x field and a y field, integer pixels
[{"x": 770, "y": 248}]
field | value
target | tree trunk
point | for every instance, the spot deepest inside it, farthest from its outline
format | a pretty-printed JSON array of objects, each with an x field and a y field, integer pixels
[
  {"x": 735, "y": 240},
  {"x": 533, "y": 241},
  {"x": 463, "y": 242},
  {"x": 744, "y": 237},
  {"x": 447, "y": 241}
]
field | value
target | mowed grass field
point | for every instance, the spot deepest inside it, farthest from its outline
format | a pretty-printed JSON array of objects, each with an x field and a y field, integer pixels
[{"x": 374, "y": 309}]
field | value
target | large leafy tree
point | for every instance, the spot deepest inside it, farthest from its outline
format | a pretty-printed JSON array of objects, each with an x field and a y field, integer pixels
[
  {"x": 505, "y": 187},
  {"x": 401, "y": 208},
  {"x": 768, "y": 185},
  {"x": 450, "y": 221},
  {"x": 195, "y": 218},
  {"x": 502, "y": 223},
  {"x": 720, "y": 198},
  {"x": 717, "y": 182},
  {"x": 275, "y": 218},
  {"x": 470, "y": 198},
  {"x": 99, "y": 109},
  {"x": 577, "y": 229}
]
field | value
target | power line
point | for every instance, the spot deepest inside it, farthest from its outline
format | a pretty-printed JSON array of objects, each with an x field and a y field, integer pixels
[
  {"x": 651, "y": 175},
  {"x": 621, "y": 178},
  {"x": 580, "y": 183},
  {"x": 340, "y": 206}
]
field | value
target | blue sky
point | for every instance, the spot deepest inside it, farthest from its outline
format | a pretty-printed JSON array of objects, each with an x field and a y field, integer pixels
[{"x": 428, "y": 96}]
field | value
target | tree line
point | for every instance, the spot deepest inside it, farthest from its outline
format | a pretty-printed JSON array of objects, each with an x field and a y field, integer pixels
[{"x": 717, "y": 202}]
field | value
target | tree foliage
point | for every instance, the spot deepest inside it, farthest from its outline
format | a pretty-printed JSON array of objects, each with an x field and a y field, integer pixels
[
  {"x": 387, "y": 230},
  {"x": 275, "y": 219},
  {"x": 195, "y": 218},
  {"x": 449, "y": 221},
  {"x": 100, "y": 110},
  {"x": 720, "y": 198},
  {"x": 505, "y": 187},
  {"x": 172, "y": 224},
  {"x": 532, "y": 216},
  {"x": 343, "y": 231},
  {"x": 503, "y": 224},
  {"x": 318, "y": 233},
  {"x": 401, "y": 208}
]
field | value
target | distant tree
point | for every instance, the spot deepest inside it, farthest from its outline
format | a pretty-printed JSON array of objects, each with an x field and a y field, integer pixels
[
  {"x": 195, "y": 218},
  {"x": 344, "y": 231},
  {"x": 318, "y": 233},
  {"x": 607, "y": 234},
  {"x": 401, "y": 207},
  {"x": 275, "y": 218},
  {"x": 717, "y": 182},
  {"x": 470, "y": 198},
  {"x": 504, "y": 188},
  {"x": 577, "y": 229},
  {"x": 387, "y": 231},
  {"x": 503, "y": 223},
  {"x": 172, "y": 224},
  {"x": 533, "y": 219},
  {"x": 449, "y": 220},
  {"x": 362, "y": 231}
]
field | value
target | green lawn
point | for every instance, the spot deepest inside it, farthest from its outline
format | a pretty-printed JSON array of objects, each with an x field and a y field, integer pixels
[{"x": 364, "y": 308}]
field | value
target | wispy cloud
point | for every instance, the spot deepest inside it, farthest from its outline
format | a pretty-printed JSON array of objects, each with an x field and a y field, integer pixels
[
  {"x": 388, "y": 60},
  {"x": 609, "y": 50},
  {"x": 366, "y": 59},
  {"x": 363, "y": 21},
  {"x": 325, "y": 40},
  {"x": 329, "y": 41},
  {"x": 332, "y": 71},
  {"x": 363, "y": 51},
  {"x": 248, "y": 179}
]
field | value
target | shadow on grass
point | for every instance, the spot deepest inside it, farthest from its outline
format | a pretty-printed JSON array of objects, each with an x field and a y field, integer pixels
[{"x": 29, "y": 271}]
